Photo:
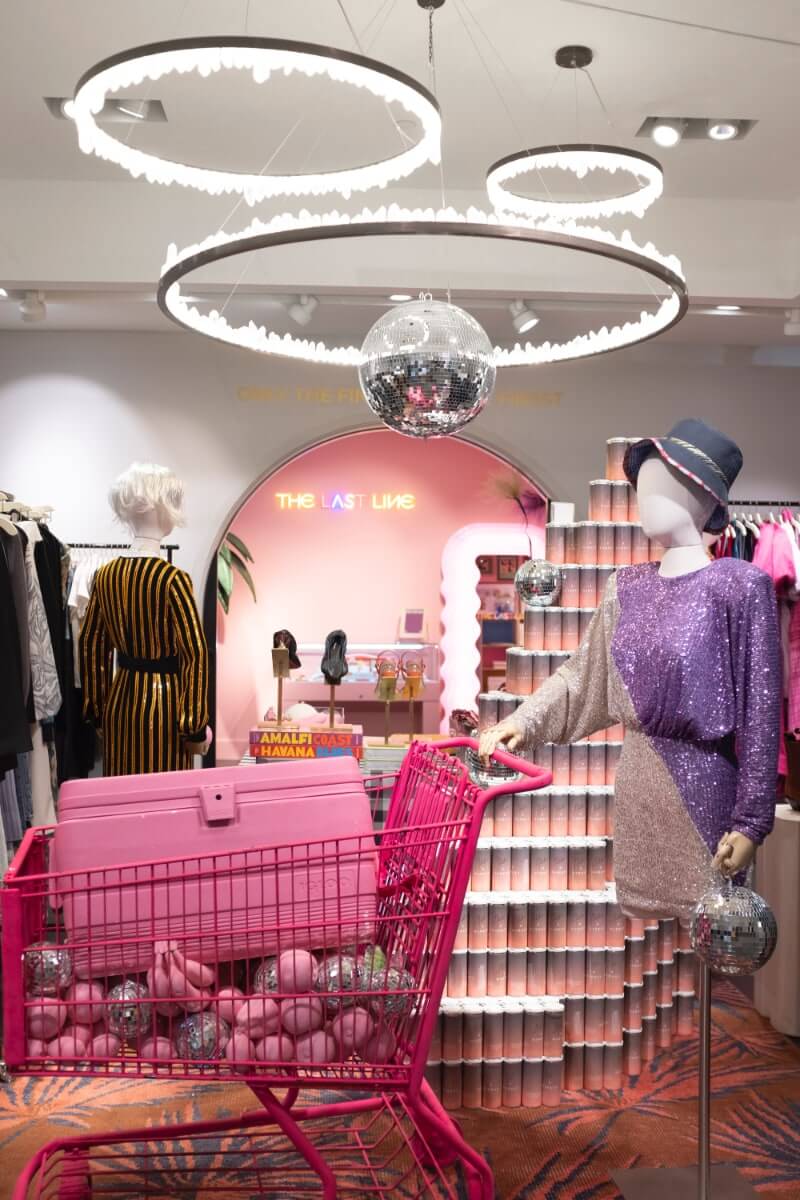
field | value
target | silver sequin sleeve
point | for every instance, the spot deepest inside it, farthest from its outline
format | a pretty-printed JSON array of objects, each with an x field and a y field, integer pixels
[{"x": 575, "y": 701}]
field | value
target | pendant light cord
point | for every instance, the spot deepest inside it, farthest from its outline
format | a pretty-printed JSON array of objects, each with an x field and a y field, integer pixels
[{"x": 432, "y": 69}]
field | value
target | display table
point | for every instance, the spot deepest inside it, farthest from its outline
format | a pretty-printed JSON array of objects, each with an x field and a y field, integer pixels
[{"x": 777, "y": 985}]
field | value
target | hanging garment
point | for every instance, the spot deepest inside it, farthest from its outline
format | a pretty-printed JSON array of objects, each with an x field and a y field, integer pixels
[
  {"x": 45, "y": 685},
  {"x": 14, "y": 732},
  {"x": 691, "y": 667},
  {"x": 14, "y": 546},
  {"x": 144, "y": 609}
]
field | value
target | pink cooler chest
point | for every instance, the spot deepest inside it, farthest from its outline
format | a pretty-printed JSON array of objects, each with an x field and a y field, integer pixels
[{"x": 232, "y": 861}]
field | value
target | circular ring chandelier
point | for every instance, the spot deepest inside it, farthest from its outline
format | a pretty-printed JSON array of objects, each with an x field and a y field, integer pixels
[
  {"x": 580, "y": 159},
  {"x": 392, "y": 222},
  {"x": 262, "y": 57}
]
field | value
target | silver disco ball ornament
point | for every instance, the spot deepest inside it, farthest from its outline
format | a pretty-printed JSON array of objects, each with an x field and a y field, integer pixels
[
  {"x": 734, "y": 930},
  {"x": 428, "y": 368},
  {"x": 538, "y": 583}
]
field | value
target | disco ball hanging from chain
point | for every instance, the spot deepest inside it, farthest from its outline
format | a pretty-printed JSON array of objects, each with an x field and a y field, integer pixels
[
  {"x": 428, "y": 368},
  {"x": 734, "y": 930},
  {"x": 538, "y": 583}
]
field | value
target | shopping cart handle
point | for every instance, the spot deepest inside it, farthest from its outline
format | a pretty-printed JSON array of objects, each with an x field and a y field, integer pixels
[{"x": 520, "y": 765}]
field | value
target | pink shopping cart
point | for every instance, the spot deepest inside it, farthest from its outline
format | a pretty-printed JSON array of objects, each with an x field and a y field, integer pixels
[{"x": 351, "y": 1016}]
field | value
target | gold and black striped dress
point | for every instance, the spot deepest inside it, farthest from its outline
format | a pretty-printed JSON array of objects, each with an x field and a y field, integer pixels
[{"x": 156, "y": 700}]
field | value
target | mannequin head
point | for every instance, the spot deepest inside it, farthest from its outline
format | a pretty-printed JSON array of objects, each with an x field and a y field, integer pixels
[
  {"x": 148, "y": 499},
  {"x": 672, "y": 509}
]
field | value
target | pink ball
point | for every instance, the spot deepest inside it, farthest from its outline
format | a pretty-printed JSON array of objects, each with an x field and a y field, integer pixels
[
  {"x": 317, "y": 1047},
  {"x": 65, "y": 1046},
  {"x": 82, "y": 1033},
  {"x": 230, "y": 1001},
  {"x": 275, "y": 1049},
  {"x": 297, "y": 971},
  {"x": 239, "y": 1048},
  {"x": 83, "y": 1001},
  {"x": 302, "y": 1015},
  {"x": 35, "y": 1048},
  {"x": 380, "y": 1047},
  {"x": 45, "y": 1019},
  {"x": 258, "y": 1017},
  {"x": 105, "y": 1045},
  {"x": 158, "y": 1047},
  {"x": 352, "y": 1028}
]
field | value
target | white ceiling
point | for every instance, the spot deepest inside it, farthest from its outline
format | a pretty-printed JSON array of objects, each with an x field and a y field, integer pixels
[{"x": 94, "y": 240}]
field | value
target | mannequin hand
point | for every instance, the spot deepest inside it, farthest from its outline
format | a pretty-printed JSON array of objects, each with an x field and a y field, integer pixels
[
  {"x": 505, "y": 734},
  {"x": 200, "y": 747},
  {"x": 735, "y": 852}
]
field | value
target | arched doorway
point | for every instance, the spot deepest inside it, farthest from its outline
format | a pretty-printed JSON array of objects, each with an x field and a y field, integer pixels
[{"x": 350, "y": 534}]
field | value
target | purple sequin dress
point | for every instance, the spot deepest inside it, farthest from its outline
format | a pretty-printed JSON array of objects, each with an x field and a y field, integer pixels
[{"x": 691, "y": 667}]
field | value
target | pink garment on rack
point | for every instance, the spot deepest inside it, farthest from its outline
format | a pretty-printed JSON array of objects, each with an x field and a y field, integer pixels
[{"x": 773, "y": 554}]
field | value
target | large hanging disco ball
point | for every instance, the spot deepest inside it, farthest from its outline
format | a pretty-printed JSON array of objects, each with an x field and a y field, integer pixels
[
  {"x": 734, "y": 930},
  {"x": 538, "y": 583},
  {"x": 428, "y": 368}
]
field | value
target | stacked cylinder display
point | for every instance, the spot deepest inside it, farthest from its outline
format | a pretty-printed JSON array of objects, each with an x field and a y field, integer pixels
[{"x": 550, "y": 986}]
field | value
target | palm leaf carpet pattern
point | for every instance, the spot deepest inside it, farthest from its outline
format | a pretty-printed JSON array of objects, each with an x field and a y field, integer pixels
[{"x": 564, "y": 1153}]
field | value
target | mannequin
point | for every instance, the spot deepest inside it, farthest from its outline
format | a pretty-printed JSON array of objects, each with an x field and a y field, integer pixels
[
  {"x": 685, "y": 654},
  {"x": 152, "y": 711}
]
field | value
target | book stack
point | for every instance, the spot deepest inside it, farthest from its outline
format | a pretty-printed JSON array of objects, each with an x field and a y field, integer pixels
[{"x": 269, "y": 741}]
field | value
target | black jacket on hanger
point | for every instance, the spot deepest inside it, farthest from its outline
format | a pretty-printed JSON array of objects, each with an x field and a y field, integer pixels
[{"x": 15, "y": 735}]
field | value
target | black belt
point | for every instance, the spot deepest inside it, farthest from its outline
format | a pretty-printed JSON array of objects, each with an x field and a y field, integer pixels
[{"x": 149, "y": 666}]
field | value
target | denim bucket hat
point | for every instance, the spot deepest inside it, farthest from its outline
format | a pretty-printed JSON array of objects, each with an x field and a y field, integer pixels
[{"x": 704, "y": 455}]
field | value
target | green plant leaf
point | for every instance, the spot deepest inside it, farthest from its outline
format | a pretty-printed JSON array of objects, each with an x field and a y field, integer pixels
[
  {"x": 224, "y": 599},
  {"x": 224, "y": 574},
  {"x": 239, "y": 545},
  {"x": 225, "y": 552},
  {"x": 239, "y": 566}
]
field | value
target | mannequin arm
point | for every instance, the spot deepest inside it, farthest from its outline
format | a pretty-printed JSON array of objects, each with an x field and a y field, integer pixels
[
  {"x": 97, "y": 661},
  {"x": 193, "y": 697},
  {"x": 572, "y": 703},
  {"x": 758, "y": 703}
]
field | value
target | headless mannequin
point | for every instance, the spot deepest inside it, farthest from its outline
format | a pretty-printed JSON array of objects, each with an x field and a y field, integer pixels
[{"x": 673, "y": 511}]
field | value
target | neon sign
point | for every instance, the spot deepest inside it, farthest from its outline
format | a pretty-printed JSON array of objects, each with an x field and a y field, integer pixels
[{"x": 346, "y": 501}]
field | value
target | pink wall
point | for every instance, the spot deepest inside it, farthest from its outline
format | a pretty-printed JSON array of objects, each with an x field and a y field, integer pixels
[{"x": 318, "y": 569}]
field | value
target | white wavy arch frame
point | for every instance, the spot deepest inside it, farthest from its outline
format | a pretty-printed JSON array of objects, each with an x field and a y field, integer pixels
[{"x": 461, "y": 627}]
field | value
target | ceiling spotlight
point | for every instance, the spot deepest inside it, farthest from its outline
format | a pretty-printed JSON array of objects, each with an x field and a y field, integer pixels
[
  {"x": 667, "y": 133},
  {"x": 723, "y": 131},
  {"x": 522, "y": 317},
  {"x": 3, "y": 292},
  {"x": 792, "y": 326},
  {"x": 727, "y": 308},
  {"x": 32, "y": 307},
  {"x": 400, "y": 297},
  {"x": 302, "y": 310}
]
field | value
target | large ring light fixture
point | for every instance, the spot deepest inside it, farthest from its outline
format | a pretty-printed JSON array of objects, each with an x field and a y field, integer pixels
[
  {"x": 263, "y": 57},
  {"x": 392, "y": 222},
  {"x": 580, "y": 159}
]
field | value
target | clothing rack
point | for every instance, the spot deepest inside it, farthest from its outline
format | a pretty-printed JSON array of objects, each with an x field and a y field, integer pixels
[
  {"x": 170, "y": 548},
  {"x": 764, "y": 504}
]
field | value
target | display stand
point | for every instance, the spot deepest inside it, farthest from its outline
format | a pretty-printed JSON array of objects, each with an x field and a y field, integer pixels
[
  {"x": 280, "y": 670},
  {"x": 702, "y": 1182}
]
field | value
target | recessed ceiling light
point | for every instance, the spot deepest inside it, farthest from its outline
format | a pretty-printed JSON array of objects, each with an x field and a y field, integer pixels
[
  {"x": 723, "y": 131},
  {"x": 399, "y": 297},
  {"x": 522, "y": 317},
  {"x": 728, "y": 308},
  {"x": 667, "y": 133},
  {"x": 3, "y": 292}
]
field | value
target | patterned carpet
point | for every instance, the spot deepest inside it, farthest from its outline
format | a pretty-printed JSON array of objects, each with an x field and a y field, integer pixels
[{"x": 537, "y": 1154}]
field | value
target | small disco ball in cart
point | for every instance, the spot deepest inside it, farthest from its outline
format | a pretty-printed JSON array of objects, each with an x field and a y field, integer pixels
[{"x": 428, "y": 368}]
